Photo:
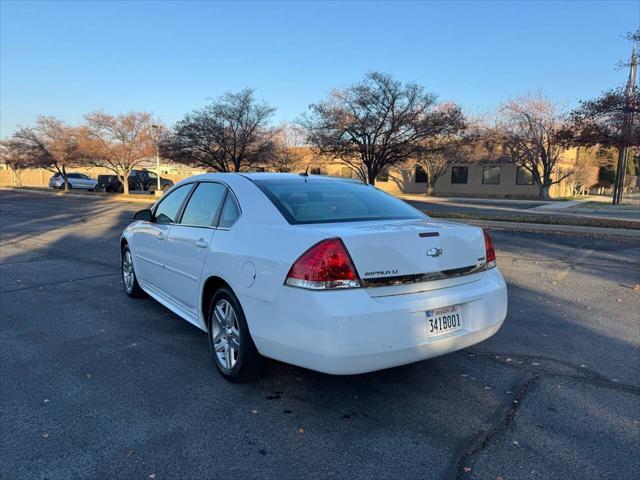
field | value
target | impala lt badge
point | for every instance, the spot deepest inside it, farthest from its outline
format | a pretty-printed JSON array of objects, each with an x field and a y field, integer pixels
[{"x": 434, "y": 252}]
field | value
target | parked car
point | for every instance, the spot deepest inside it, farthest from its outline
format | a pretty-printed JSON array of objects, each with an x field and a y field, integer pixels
[
  {"x": 139, "y": 180},
  {"x": 327, "y": 274},
  {"x": 75, "y": 180}
]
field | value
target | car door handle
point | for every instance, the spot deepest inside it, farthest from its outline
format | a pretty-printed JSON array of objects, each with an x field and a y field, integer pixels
[
  {"x": 160, "y": 236},
  {"x": 201, "y": 243}
]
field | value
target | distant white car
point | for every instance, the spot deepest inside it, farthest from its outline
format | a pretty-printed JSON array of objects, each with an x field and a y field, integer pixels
[
  {"x": 76, "y": 180},
  {"x": 328, "y": 274}
]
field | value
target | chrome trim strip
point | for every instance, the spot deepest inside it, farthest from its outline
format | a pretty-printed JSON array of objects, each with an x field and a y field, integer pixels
[{"x": 424, "y": 277}]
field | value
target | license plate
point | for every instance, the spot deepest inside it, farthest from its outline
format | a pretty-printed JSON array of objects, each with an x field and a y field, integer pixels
[{"x": 443, "y": 320}]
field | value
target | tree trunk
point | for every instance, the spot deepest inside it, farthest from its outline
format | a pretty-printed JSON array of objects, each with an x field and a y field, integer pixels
[
  {"x": 17, "y": 181},
  {"x": 125, "y": 185},
  {"x": 65, "y": 179},
  {"x": 431, "y": 188},
  {"x": 543, "y": 192},
  {"x": 371, "y": 175}
]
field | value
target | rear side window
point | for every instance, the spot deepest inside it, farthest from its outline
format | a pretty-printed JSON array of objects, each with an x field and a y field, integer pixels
[
  {"x": 203, "y": 205},
  {"x": 167, "y": 210},
  {"x": 230, "y": 212},
  {"x": 326, "y": 201}
]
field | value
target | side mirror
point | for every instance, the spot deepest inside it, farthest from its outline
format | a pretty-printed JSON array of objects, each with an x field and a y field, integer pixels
[{"x": 144, "y": 215}]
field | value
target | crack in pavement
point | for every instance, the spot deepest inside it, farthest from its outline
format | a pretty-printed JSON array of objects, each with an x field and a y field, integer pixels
[
  {"x": 462, "y": 470},
  {"x": 534, "y": 364},
  {"x": 536, "y": 367}
]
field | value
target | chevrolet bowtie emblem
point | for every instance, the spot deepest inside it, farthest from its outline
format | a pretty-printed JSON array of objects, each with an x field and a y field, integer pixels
[{"x": 434, "y": 252}]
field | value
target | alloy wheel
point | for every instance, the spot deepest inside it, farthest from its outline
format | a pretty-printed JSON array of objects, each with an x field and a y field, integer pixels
[
  {"x": 127, "y": 271},
  {"x": 226, "y": 334}
]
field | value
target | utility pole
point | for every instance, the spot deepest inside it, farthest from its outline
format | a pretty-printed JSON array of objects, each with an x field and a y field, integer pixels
[
  {"x": 629, "y": 109},
  {"x": 156, "y": 137}
]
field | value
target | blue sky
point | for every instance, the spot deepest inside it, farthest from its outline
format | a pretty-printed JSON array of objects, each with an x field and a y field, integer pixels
[{"x": 68, "y": 58}]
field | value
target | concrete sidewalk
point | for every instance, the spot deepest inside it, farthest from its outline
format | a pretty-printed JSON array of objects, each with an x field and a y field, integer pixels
[{"x": 550, "y": 206}]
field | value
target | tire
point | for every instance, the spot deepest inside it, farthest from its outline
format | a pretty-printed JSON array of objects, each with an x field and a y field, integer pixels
[
  {"x": 131, "y": 285},
  {"x": 228, "y": 327}
]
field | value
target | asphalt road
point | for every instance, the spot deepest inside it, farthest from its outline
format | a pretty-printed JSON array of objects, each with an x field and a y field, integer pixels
[{"x": 94, "y": 384}]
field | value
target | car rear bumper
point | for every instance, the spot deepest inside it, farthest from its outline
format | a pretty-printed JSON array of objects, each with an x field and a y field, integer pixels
[{"x": 349, "y": 331}]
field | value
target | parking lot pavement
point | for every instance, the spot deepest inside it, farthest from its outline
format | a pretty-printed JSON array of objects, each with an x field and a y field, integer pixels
[{"x": 94, "y": 384}]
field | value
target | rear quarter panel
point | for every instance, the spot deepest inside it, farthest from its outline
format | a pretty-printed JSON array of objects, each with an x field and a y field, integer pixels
[
  {"x": 260, "y": 241},
  {"x": 267, "y": 251}
]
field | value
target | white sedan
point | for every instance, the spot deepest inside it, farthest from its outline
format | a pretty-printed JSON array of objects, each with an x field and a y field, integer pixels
[
  {"x": 327, "y": 274},
  {"x": 75, "y": 180}
]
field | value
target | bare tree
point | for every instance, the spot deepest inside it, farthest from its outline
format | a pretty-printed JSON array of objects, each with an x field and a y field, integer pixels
[
  {"x": 587, "y": 164},
  {"x": 14, "y": 156},
  {"x": 375, "y": 124},
  {"x": 230, "y": 134},
  {"x": 534, "y": 136},
  {"x": 119, "y": 143},
  {"x": 289, "y": 155},
  {"x": 50, "y": 144},
  {"x": 439, "y": 152}
]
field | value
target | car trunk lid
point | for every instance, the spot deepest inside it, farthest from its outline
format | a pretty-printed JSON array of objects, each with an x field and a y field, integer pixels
[{"x": 397, "y": 257}]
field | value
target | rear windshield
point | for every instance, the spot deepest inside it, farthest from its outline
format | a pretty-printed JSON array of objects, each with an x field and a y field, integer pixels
[{"x": 326, "y": 201}]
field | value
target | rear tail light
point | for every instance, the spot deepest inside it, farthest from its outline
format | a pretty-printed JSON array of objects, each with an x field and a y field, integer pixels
[
  {"x": 327, "y": 265},
  {"x": 490, "y": 253}
]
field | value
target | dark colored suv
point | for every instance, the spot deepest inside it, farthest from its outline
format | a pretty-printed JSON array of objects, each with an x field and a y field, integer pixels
[{"x": 139, "y": 180}]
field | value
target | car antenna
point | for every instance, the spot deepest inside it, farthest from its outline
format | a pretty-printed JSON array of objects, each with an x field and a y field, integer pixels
[{"x": 305, "y": 174}]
